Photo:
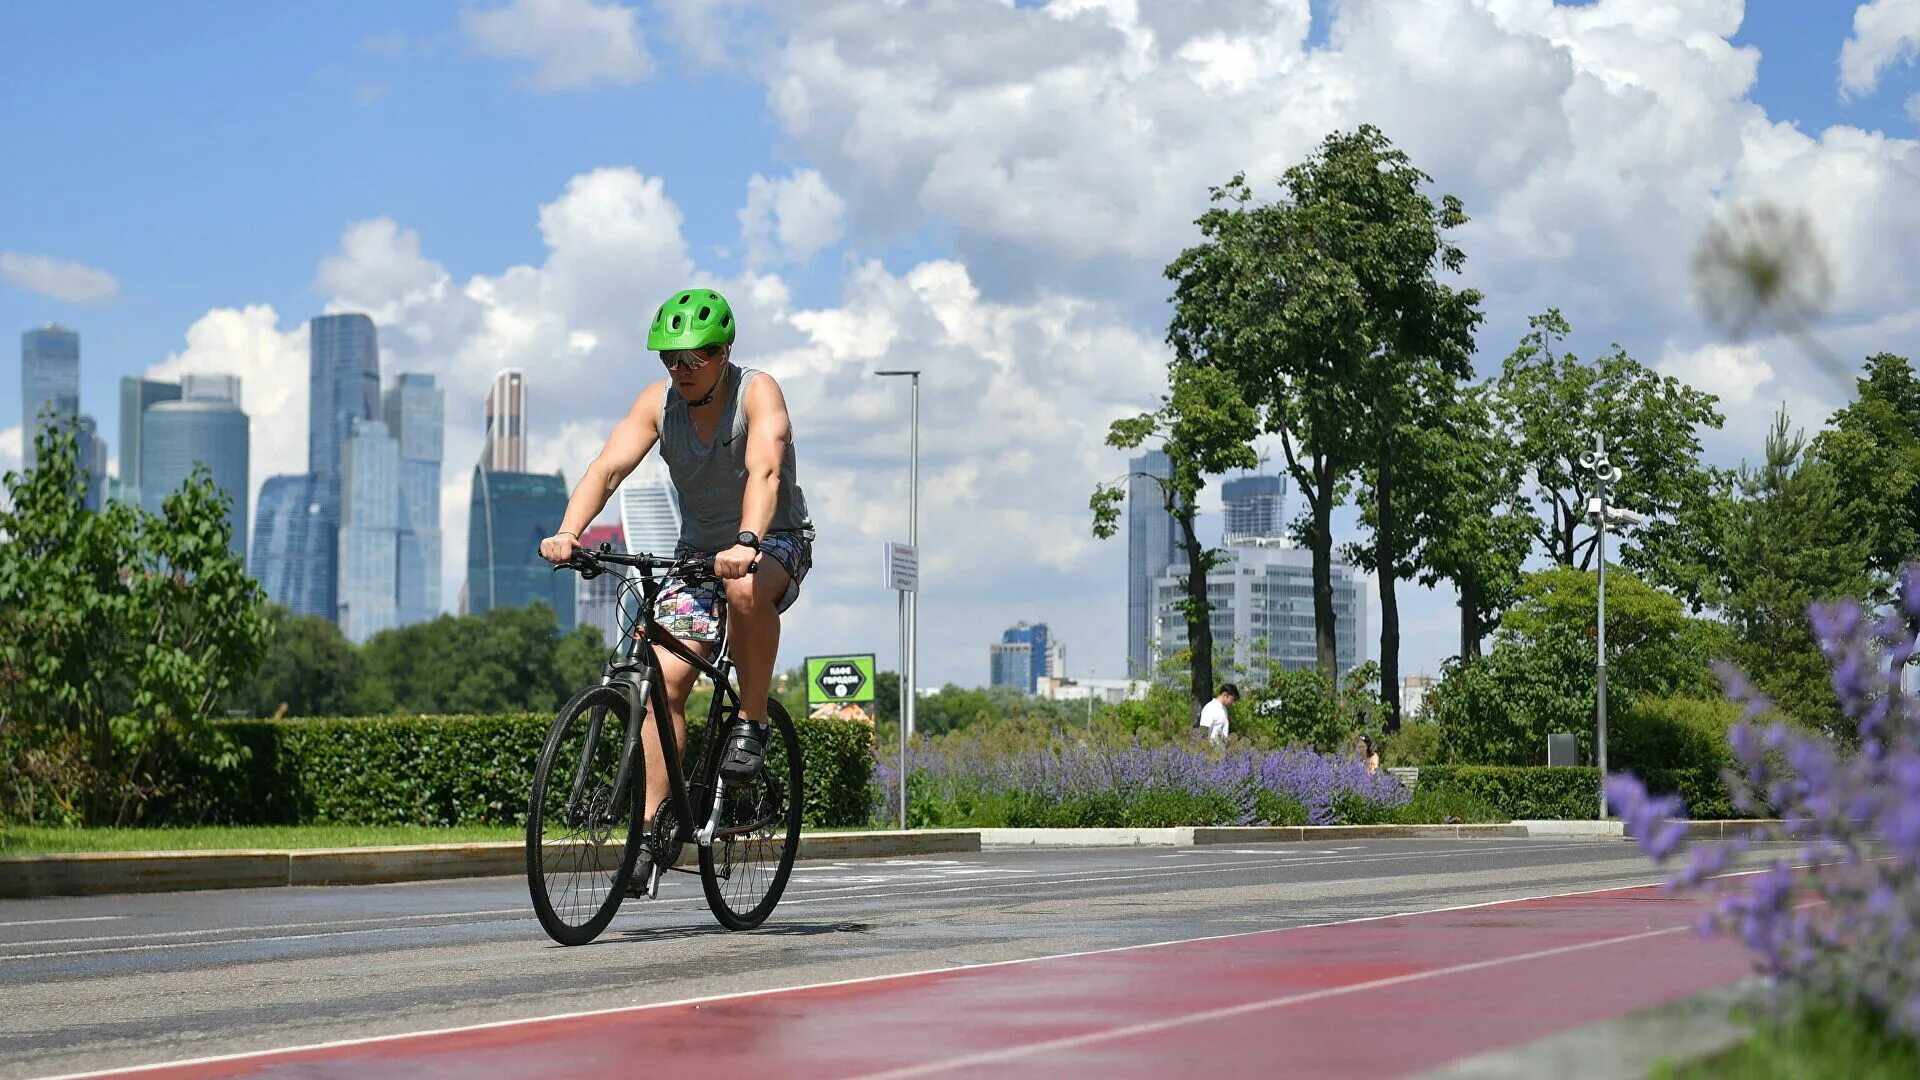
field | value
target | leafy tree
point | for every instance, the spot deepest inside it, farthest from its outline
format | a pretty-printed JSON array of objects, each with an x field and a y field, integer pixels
[
  {"x": 121, "y": 634},
  {"x": 506, "y": 660},
  {"x": 310, "y": 669},
  {"x": 1324, "y": 307},
  {"x": 1653, "y": 646},
  {"x": 1205, "y": 429},
  {"x": 1554, "y": 405},
  {"x": 1468, "y": 521},
  {"x": 1499, "y": 709},
  {"x": 580, "y": 657},
  {"x": 1871, "y": 451},
  {"x": 1789, "y": 544}
]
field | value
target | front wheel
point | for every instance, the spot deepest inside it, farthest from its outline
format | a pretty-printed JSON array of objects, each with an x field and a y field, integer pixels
[
  {"x": 582, "y": 830},
  {"x": 745, "y": 869}
]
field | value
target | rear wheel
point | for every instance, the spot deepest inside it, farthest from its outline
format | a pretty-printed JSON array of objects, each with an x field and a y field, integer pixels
[
  {"x": 582, "y": 836},
  {"x": 746, "y": 868}
]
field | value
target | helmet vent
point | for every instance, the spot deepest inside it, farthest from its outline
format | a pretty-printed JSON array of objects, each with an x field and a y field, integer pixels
[
  {"x": 705, "y": 313},
  {"x": 676, "y": 322},
  {"x": 727, "y": 319},
  {"x": 684, "y": 297}
]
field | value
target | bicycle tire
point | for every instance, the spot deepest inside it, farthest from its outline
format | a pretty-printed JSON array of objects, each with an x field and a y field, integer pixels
[
  {"x": 741, "y": 904},
  {"x": 562, "y": 858}
]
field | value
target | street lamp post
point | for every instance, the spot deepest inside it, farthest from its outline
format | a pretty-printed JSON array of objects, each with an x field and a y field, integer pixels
[
  {"x": 1595, "y": 461},
  {"x": 909, "y": 600}
]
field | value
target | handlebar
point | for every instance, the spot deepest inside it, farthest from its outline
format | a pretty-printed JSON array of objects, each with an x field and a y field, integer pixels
[{"x": 591, "y": 563}]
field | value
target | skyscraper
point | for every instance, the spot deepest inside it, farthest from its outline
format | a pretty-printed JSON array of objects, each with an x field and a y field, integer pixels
[
  {"x": 505, "y": 449},
  {"x": 1255, "y": 507},
  {"x": 343, "y": 384},
  {"x": 511, "y": 512},
  {"x": 1010, "y": 663},
  {"x": 369, "y": 530},
  {"x": 91, "y": 460},
  {"x": 207, "y": 428},
  {"x": 1152, "y": 544},
  {"x": 1039, "y": 642},
  {"x": 649, "y": 509},
  {"x": 49, "y": 376},
  {"x": 136, "y": 397},
  {"x": 415, "y": 408},
  {"x": 1262, "y": 595},
  {"x": 598, "y": 601},
  {"x": 292, "y": 536}
]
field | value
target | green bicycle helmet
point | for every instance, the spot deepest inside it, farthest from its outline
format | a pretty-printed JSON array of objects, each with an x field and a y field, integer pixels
[{"x": 690, "y": 319}]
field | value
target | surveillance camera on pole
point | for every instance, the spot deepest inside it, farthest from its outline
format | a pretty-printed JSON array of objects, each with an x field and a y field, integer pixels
[{"x": 1617, "y": 516}]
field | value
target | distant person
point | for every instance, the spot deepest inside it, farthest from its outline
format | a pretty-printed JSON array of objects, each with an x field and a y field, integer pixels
[
  {"x": 1213, "y": 715},
  {"x": 1365, "y": 752}
]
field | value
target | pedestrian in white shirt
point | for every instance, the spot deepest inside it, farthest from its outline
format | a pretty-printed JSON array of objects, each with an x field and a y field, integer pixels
[{"x": 1213, "y": 715}]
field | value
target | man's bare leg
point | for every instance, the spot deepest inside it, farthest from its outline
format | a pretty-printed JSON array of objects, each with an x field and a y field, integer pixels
[
  {"x": 677, "y": 676},
  {"x": 753, "y": 632}
]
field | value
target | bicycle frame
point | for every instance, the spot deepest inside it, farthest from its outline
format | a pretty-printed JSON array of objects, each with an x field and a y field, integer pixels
[{"x": 630, "y": 666}]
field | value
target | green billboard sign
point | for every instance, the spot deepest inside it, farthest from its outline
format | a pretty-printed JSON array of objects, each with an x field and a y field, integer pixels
[{"x": 840, "y": 687}]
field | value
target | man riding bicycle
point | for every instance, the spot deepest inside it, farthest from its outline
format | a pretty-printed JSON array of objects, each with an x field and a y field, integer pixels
[{"x": 724, "y": 433}]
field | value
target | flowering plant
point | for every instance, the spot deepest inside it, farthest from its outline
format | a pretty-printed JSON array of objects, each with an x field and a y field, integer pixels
[{"x": 1838, "y": 919}]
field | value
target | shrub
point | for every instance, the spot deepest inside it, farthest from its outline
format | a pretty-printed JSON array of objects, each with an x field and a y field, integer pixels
[
  {"x": 1499, "y": 709},
  {"x": 1567, "y": 792},
  {"x": 451, "y": 770},
  {"x": 1854, "y": 815},
  {"x": 1297, "y": 708},
  {"x": 1416, "y": 743},
  {"x": 1658, "y": 734},
  {"x": 1077, "y": 786}
]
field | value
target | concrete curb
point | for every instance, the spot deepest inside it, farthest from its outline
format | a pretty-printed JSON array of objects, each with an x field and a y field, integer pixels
[
  {"x": 95, "y": 873},
  {"x": 172, "y": 871}
]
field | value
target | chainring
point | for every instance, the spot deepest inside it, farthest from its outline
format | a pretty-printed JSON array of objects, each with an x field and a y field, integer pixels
[{"x": 664, "y": 841}]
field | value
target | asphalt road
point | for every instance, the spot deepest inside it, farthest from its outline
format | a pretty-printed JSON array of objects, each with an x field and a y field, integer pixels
[{"x": 111, "y": 981}]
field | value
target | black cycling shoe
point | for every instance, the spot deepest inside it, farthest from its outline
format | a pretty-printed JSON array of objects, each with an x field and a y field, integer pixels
[
  {"x": 746, "y": 748},
  {"x": 640, "y": 885}
]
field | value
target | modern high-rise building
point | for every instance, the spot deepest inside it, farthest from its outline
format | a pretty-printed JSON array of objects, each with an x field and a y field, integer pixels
[
  {"x": 415, "y": 411},
  {"x": 137, "y": 395},
  {"x": 205, "y": 427},
  {"x": 369, "y": 539},
  {"x": 1039, "y": 642},
  {"x": 1255, "y": 507},
  {"x": 49, "y": 377},
  {"x": 343, "y": 385},
  {"x": 292, "y": 538},
  {"x": 650, "y": 509},
  {"x": 505, "y": 449},
  {"x": 598, "y": 601},
  {"x": 511, "y": 512},
  {"x": 1010, "y": 663},
  {"x": 1262, "y": 596},
  {"x": 91, "y": 460},
  {"x": 1152, "y": 545}
]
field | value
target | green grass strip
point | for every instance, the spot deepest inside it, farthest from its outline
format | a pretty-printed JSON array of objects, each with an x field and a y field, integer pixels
[
  {"x": 31, "y": 841},
  {"x": 1810, "y": 1044}
]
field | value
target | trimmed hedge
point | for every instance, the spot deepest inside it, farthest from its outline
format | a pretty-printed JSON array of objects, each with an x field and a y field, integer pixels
[
  {"x": 1571, "y": 792},
  {"x": 451, "y": 770}
]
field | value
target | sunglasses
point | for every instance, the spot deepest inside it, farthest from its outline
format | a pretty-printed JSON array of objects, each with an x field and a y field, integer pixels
[{"x": 690, "y": 359}]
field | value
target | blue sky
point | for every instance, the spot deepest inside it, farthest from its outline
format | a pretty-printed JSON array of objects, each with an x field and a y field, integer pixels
[{"x": 209, "y": 156}]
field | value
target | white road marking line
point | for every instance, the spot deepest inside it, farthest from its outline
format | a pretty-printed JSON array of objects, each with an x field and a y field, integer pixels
[
  {"x": 272, "y": 926},
  {"x": 635, "y": 1009},
  {"x": 43, "y": 922},
  {"x": 1073, "y": 1042}
]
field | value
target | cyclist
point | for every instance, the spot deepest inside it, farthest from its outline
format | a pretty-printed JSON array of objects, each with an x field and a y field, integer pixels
[{"x": 724, "y": 433}]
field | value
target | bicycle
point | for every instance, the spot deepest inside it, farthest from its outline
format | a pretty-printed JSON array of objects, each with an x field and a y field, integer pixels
[{"x": 579, "y": 875}]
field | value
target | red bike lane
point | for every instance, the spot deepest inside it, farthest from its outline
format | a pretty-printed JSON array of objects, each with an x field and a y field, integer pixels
[{"x": 1378, "y": 998}]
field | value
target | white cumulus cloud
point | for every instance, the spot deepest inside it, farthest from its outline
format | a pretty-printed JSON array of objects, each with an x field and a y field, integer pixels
[
  {"x": 789, "y": 220},
  {"x": 571, "y": 43},
  {"x": 73, "y": 282},
  {"x": 1885, "y": 33}
]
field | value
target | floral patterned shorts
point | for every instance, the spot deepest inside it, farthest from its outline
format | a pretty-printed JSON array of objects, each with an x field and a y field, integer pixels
[{"x": 691, "y": 612}]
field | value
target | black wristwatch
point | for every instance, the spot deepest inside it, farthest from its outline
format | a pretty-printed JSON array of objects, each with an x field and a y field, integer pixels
[{"x": 748, "y": 539}]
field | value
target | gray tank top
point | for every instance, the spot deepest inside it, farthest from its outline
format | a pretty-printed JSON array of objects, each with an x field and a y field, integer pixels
[{"x": 712, "y": 480}]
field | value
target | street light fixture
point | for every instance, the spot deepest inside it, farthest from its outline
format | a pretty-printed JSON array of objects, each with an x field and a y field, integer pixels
[
  {"x": 909, "y": 600},
  {"x": 1604, "y": 473}
]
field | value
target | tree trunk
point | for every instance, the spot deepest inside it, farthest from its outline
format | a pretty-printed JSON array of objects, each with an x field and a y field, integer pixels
[
  {"x": 1385, "y": 560},
  {"x": 1470, "y": 629},
  {"x": 1199, "y": 612},
  {"x": 1323, "y": 616}
]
